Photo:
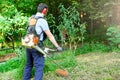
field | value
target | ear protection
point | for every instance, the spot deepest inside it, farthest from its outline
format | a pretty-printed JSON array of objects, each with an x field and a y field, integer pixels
[{"x": 44, "y": 11}]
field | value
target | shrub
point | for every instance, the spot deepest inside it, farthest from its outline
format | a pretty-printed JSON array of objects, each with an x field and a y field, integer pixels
[
  {"x": 92, "y": 47},
  {"x": 113, "y": 34}
]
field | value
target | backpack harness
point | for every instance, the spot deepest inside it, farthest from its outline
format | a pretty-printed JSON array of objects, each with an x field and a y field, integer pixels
[{"x": 32, "y": 38}]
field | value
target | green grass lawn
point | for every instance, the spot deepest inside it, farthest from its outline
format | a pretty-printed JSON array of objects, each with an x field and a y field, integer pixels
[{"x": 90, "y": 66}]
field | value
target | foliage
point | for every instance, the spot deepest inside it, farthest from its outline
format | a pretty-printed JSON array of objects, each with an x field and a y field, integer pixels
[
  {"x": 97, "y": 9},
  {"x": 64, "y": 59},
  {"x": 26, "y": 6},
  {"x": 14, "y": 62},
  {"x": 92, "y": 47},
  {"x": 93, "y": 66},
  {"x": 13, "y": 26},
  {"x": 92, "y": 10},
  {"x": 9, "y": 65},
  {"x": 82, "y": 31},
  {"x": 97, "y": 14},
  {"x": 5, "y": 52},
  {"x": 51, "y": 21},
  {"x": 21, "y": 55},
  {"x": 71, "y": 24},
  {"x": 113, "y": 34},
  {"x": 13, "y": 21}
]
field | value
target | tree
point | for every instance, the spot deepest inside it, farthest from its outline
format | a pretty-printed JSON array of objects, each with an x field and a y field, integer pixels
[
  {"x": 70, "y": 23},
  {"x": 96, "y": 13},
  {"x": 14, "y": 22}
]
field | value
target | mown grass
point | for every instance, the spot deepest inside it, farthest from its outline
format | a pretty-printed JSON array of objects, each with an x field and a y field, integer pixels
[
  {"x": 9, "y": 65},
  {"x": 13, "y": 63},
  {"x": 93, "y": 47},
  {"x": 92, "y": 66},
  {"x": 64, "y": 59},
  {"x": 80, "y": 65}
]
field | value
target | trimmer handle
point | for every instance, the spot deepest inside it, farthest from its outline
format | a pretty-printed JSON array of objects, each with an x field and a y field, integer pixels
[{"x": 47, "y": 50}]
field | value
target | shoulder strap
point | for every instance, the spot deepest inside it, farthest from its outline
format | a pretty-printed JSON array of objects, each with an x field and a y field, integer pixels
[
  {"x": 44, "y": 35},
  {"x": 37, "y": 20},
  {"x": 33, "y": 21},
  {"x": 40, "y": 27},
  {"x": 31, "y": 27},
  {"x": 39, "y": 17}
]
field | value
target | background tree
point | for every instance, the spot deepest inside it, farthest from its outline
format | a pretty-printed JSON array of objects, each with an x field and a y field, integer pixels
[
  {"x": 96, "y": 14},
  {"x": 13, "y": 23}
]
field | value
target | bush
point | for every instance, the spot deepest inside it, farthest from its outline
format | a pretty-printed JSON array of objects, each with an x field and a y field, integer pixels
[
  {"x": 113, "y": 34},
  {"x": 92, "y": 47}
]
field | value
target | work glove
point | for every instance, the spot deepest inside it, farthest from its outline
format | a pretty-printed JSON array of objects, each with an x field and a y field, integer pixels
[{"x": 59, "y": 49}]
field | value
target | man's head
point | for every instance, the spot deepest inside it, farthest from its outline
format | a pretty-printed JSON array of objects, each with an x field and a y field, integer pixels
[{"x": 42, "y": 8}]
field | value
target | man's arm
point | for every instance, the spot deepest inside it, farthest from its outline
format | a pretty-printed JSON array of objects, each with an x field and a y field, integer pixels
[{"x": 51, "y": 38}]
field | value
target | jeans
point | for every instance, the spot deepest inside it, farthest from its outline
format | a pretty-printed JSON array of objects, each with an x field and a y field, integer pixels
[{"x": 33, "y": 58}]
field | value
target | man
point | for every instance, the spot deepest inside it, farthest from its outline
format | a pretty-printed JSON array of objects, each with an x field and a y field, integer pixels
[{"x": 33, "y": 57}]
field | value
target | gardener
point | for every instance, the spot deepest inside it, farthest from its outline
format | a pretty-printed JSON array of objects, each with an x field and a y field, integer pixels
[{"x": 33, "y": 57}]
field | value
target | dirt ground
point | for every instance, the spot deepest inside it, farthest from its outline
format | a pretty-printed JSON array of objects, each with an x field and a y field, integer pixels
[
  {"x": 4, "y": 58},
  {"x": 91, "y": 66}
]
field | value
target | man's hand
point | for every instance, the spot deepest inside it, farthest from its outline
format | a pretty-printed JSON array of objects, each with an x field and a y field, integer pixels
[{"x": 59, "y": 49}]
